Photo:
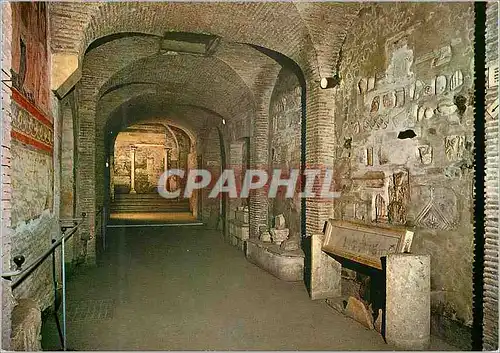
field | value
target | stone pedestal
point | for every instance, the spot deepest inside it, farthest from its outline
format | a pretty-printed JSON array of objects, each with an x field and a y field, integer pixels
[
  {"x": 325, "y": 272},
  {"x": 408, "y": 301}
]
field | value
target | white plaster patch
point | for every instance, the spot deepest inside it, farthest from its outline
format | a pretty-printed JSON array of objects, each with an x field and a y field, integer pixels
[{"x": 400, "y": 66}]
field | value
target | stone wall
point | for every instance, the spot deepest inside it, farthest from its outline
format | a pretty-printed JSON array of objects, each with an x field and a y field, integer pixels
[
  {"x": 5, "y": 176},
  {"x": 490, "y": 305},
  {"x": 34, "y": 150},
  {"x": 404, "y": 132},
  {"x": 285, "y": 115}
]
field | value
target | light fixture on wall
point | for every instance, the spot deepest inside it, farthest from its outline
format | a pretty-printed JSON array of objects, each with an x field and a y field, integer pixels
[
  {"x": 330, "y": 82},
  {"x": 223, "y": 121}
]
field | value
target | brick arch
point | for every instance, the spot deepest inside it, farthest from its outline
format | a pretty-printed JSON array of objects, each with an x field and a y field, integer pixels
[
  {"x": 180, "y": 111},
  {"x": 278, "y": 26},
  {"x": 208, "y": 81}
]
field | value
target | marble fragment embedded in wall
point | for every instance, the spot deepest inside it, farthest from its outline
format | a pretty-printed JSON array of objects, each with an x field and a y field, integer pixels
[
  {"x": 375, "y": 104},
  {"x": 437, "y": 207},
  {"x": 425, "y": 154},
  {"x": 440, "y": 85},
  {"x": 363, "y": 85},
  {"x": 389, "y": 100},
  {"x": 380, "y": 208},
  {"x": 429, "y": 113},
  {"x": 361, "y": 210},
  {"x": 369, "y": 156},
  {"x": 416, "y": 90},
  {"x": 457, "y": 80},
  {"x": 400, "y": 97},
  {"x": 454, "y": 147},
  {"x": 446, "y": 107},
  {"x": 429, "y": 89},
  {"x": 371, "y": 83},
  {"x": 400, "y": 65},
  {"x": 443, "y": 56},
  {"x": 382, "y": 156},
  {"x": 399, "y": 196}
]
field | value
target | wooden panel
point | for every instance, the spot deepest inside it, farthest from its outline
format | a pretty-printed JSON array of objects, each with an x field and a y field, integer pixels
[{"x": 364, "y": 243}]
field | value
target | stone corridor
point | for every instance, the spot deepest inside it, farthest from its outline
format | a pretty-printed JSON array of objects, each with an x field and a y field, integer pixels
[
  {"x": 261, "y": 175},
  {"x": 184, "y": 288}
]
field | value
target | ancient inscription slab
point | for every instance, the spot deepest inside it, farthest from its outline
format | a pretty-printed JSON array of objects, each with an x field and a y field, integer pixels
[{"x": 364, "y": 243}]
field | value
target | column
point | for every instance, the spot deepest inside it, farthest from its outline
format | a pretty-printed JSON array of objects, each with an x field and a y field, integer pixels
[
  {"x": 408, "y": 301},
  {"x": 132, "y": 170}
]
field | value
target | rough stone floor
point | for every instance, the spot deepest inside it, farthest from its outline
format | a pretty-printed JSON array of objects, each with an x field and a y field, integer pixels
[{"x": 183, "y": 288}]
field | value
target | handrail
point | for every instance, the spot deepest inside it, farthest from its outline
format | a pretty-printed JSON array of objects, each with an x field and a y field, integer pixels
[
  {"x": 24, "y": 273},
  {"x": 34, "y": 265}
]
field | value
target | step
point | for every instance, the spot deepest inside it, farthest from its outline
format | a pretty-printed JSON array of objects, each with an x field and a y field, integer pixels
[
  {"x": 148, "y": 208},
  {"x": 150, "y": 203}
]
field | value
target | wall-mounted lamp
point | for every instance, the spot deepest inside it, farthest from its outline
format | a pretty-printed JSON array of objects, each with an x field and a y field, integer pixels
[
  {"x": 223, "y": 121},
  {"x": 329, "y": 82}
]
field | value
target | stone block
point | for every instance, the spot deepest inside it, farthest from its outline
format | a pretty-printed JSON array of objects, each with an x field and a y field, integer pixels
[
  {"x": 408, "y": 301},
  {"x": 279, "y": 235},
  {"x": 357, "y": 310},
  {"x": 292, "y": 243},
  {"x": 265, "y": 237},
  {"x": 279, "y": 222},
  {"x": 241, "y": 216},
  {"x": 239, "y": 230},
  {"x": 325, "y": 272},
  {"x": 288, "y": 266}
]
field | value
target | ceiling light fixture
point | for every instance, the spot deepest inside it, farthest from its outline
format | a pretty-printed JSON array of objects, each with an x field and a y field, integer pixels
[
  {"x": 330, "y": 82},
  {"x": 193, "y": 43}
]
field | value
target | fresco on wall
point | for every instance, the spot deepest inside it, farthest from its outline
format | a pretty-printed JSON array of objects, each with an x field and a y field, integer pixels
[
  {"x": 147, "y": 145},
  {"x": 30, "y": 66},
  {"x": 30, "y": 126}
]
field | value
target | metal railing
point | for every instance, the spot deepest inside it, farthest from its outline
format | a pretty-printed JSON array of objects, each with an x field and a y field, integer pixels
[{"x": 18, "y": 276}]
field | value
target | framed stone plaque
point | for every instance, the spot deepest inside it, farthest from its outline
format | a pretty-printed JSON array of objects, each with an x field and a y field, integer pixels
[{"x": 365, "y": 243}]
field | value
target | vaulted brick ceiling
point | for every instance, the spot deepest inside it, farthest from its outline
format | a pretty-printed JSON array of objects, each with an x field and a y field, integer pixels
[{"x": 131, "y": 69}]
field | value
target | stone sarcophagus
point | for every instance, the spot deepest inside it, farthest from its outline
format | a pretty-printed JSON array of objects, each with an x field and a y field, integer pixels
[
  {"x": 364, "y": 243},
  {"x": 361, "y": 243}
]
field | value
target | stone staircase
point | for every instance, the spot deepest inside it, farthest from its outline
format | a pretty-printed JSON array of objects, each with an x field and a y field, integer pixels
[{"x": 147, "y": 203}]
